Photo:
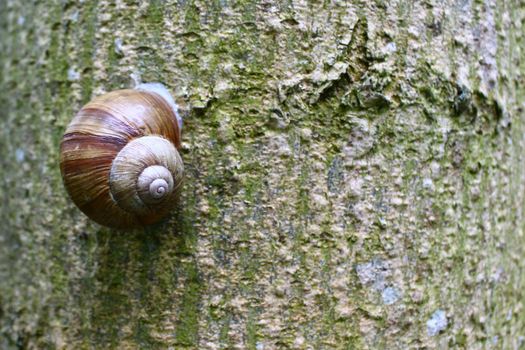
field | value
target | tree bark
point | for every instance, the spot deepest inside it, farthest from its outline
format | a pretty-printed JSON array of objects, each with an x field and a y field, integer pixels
[{"x": 354, "y": 176}]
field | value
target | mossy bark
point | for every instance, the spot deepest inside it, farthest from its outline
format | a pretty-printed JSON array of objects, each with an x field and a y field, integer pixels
[{"x": 355, "y": 176}]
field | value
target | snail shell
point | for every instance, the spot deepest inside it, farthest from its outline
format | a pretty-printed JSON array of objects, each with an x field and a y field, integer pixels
[{"x": 119, "y": 157}]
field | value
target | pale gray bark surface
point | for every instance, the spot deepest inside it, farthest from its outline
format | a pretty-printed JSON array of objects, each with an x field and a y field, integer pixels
[{"x": 355, "y": 176}]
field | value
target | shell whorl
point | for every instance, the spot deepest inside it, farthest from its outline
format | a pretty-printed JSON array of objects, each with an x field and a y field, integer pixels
[
  {"x": 119, "y": 157},
  {"x": 145, "y": 174}
]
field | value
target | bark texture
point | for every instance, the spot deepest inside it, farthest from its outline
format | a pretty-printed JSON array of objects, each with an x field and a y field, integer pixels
[{"x": 355, "y": 176}]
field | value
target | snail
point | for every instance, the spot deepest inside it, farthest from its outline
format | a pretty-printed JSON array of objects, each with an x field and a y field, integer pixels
[{"x": 119, "y": 157}]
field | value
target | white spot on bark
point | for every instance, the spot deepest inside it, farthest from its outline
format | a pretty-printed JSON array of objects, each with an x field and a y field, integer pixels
[
  {"x": 72, "y": 74},
  {"x": 118, "y": 46},
  {"x": 20, "y": 155},
  {"x": 74, "y": 17},
  {"x": 521, "y": 340},
  {"x": 437, "y": 323},
  {"x": 428, "y": 184},
  {"x": 299, "y": 341},
  {"x": 495, "y": 340},
  {"x": 509, "y": 315},
  {"x": 390, "y": 295},
  {"x": 374, "y": 273},
  {"x": 496, "y": 276},
  {"x": 389, "y": 49}
]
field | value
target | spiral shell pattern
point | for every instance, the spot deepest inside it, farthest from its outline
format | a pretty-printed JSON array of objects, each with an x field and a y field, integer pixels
[{"x": 119, "y": 158}]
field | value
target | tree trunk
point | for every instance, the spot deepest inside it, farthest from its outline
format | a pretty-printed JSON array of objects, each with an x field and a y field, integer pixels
[{"x": 354, "y": 176}]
